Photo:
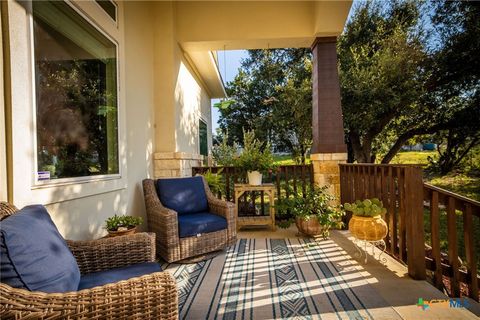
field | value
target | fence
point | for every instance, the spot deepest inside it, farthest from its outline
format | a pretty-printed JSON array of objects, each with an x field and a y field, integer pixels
[
  {"x": 289, "y": 180},
  {"x": 414, "y": 214}
]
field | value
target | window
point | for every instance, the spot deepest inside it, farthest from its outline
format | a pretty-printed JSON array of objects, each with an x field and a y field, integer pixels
[
  {"x": 109, "y": 7},
  {"x": 203, "y": 138},
  {"x": 76, "y": 95}
]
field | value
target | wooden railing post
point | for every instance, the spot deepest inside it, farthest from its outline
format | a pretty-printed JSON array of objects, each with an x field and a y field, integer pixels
[{"x": 414, "y": 223}]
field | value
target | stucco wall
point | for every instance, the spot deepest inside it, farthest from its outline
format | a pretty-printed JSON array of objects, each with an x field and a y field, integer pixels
[{"x": 157, "y": 87}]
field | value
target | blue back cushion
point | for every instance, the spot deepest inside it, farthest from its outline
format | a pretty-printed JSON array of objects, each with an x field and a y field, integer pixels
[
  {"x": 34, "y": 255},
  {"x": 184, "y": 195}
]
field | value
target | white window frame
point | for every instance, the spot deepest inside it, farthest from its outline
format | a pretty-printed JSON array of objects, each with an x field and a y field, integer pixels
[
  {"x": 26, "y": 189},
  {"x": 73, "y": 180}
]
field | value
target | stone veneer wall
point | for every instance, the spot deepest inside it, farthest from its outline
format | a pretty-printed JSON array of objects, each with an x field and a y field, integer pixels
[
  {"x": 175, "y": 164},
  {"x": 326, "y": 170}
]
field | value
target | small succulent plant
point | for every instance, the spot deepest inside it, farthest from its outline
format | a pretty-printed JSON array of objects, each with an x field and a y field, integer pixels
[
  {"x": 366, "y": 208},
  {"x": 118, "y": 223}
]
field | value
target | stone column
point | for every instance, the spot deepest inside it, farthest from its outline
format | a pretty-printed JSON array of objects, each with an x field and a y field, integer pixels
[
  {"x": 175, "y": 164},
  {"x": 328, "y": 148}
]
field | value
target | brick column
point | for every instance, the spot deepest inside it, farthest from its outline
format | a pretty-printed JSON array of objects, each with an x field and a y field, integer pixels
[{"x": 328, "y": 148}]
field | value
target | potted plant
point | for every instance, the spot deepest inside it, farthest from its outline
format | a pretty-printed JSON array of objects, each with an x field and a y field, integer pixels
[
  {"x": 122, "y": 225},
  {"x": 366, "y": 222},
  {"x": 254, "y": 158},
  {"x": 314, "y": 213}
]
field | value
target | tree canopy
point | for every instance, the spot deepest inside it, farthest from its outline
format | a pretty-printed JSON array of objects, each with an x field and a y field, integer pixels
[{"x": 408, "y": 69}]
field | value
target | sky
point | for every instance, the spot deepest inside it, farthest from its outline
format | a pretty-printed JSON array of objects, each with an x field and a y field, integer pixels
[{"x": 229, "y": 62}]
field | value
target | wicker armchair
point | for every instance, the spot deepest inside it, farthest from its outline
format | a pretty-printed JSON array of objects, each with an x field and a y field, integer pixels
[
  {"x": 152, "y": 296},
  {"x": 163, "y": 221}
]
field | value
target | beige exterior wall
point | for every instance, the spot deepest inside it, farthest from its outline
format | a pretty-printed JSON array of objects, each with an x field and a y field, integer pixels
[
  {"x": 166, "y": 80},
  {"x": 160, "y": 101}
]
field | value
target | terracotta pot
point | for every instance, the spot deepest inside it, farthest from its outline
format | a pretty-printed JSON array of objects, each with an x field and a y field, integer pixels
[
  {"x": 310, "y": 227},
  {"x": 368, "y": 228},
  {"x": 122, "y": 232},
  {"x": 254, "y": 178}
]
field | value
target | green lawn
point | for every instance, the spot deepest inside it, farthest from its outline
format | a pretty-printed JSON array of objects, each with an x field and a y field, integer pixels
[
  {"x": 286, "y": 160},
  {"x": 413, "y": 157}
]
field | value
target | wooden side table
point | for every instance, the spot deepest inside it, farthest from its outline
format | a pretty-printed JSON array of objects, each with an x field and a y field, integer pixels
[{"x": 269, "y": 190}]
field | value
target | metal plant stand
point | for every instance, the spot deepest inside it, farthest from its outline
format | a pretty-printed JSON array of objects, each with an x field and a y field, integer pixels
[{"x": 362, "y": 247}]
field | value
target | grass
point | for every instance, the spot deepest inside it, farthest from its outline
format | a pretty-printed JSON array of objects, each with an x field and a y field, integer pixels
[
  {"x": 414, "y": 157},
  {"x": 286, "y": 160}
]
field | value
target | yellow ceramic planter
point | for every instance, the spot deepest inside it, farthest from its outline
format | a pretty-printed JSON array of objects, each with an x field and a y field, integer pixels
[{"x": 368, "y": 228}]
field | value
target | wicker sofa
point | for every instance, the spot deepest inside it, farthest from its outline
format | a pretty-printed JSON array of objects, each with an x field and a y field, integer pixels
[
  {"x": 165, "y": 223},
  {"x": 151, "y": 296}
]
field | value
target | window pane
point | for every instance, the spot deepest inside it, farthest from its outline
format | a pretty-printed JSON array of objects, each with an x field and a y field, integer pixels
[
  {"x": 76, "y": 94},
  {"x": 203, "y": 138},
  {"x": 109, "y": 8}
]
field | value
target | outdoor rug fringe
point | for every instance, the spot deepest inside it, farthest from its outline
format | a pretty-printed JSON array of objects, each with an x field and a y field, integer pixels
[{"x": 278, "y": 279}]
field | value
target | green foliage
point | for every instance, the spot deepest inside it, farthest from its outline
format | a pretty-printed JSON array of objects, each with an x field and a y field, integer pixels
[
  {"x": 225, "y": 154},
  {"x": 115, "y": 222},
  {"x": 366, "y": 208},
  {"x": 255, "y": 155},
  {"x": 215, "y": 181},
  {"x": 316, "y": 203},
  {"x": 272, "y": 95},
  {"x": 400, "y": 81}
]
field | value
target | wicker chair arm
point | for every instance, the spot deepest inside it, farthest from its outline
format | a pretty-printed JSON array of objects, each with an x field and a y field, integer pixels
[
  {"x": 152, "y": 296},
  {"x": 114, "y": 252},
  {"x": 162, "y": 220},
  {"x": 225, "y": 209}
]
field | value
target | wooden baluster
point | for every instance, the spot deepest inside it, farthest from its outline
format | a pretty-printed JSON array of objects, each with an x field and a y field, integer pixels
[
  {"x": 384, "y": 198},
  {"x": 391, "y": 208},
  {"x": 279, "y": 172},
  {"x": 435, "y": 226},
  {"x": 287, "y": 183},
  {"x": 294, "y": 180},
  {"x": 304, "y": 181},
  {"x": 262, "y": 200},
  {"x": 227, "y": 183},
  {"x": 371, "y": 179},
  {"x": 402, "y": 212},
  {"x": 470, "y": 252},
  {"x": 452, "y": 246}
]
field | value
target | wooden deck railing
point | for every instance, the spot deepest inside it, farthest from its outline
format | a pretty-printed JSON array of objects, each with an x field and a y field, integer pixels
[
  {"x": 290, "y": 180},
  {"x": 400, "y": 188},
  {"x": 460, "y": 215},
  {"x": 409, "y": 204}
]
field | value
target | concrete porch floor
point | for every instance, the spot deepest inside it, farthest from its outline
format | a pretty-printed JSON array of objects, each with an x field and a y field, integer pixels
[{"x": 389, "y": 278}]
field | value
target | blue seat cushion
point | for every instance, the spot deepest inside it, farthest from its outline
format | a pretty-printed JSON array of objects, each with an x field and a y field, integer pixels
[
  {"x": 190, "y": 225},
  {"x": 101, "y": 278},
  {"x": 34, "y": 256},
  {"x": 184, "y": 195}
]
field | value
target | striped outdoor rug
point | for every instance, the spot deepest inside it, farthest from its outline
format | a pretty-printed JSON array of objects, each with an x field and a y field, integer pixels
[{"x": 278, "y": 279}]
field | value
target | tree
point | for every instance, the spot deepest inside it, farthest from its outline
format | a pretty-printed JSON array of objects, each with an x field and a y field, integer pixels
[
  {"x": 455, "y": 78},
  {"x": 380, "y": 54},
  {"x": 272, "y": 95},
  {"x": 396, "y": 86}
]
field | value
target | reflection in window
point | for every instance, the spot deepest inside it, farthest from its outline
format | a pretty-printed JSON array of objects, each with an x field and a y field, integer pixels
[{"x": 76, "y": 94}]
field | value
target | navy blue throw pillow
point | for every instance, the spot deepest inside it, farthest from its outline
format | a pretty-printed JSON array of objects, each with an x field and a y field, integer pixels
[
  {"x": 34, "y": 255},
  {"x": 184, "y": 195}
]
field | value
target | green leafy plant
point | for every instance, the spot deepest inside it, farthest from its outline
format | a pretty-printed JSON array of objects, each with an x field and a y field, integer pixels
[
  {"x": 316, "y": 203},
  {"x": 366, "y": 208},
  {"x": 127, "y": 222},
  {"x": 255, "y": 155},
  {"x": 224, "y": 154},
  {"x": 215, "y": 181}
]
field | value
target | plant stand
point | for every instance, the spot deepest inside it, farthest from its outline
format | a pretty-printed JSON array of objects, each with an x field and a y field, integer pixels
[
  {"x": 269, "y": 190},
  {"x": 362, "y": 247}
]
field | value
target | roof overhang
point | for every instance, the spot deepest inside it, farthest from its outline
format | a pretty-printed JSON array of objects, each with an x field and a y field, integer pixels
[{"x": 203, "y": 27}]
